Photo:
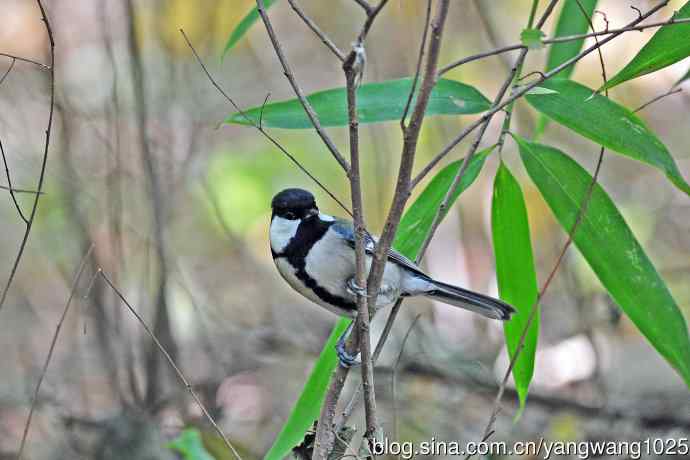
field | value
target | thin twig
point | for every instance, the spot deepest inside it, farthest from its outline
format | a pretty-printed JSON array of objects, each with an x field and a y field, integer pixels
[
  {"x": 319, "y": 33},
  {"x": 517, "y": 77},
  {"x": 20, "y": 190},
  {"x": 486, "y": 25},
  {"x": 371, "y": 17},
  {"x": 524, "y": 90},
  {"x": 566, "y": 38},
  {"x": 30, "y": 61},
  {"x": 7, "y": 72},
  {"x": 659, "y": 97},
  {"x": 365, "y": 5},
  {"x": 394, "y": 374},
  {"x": 259, "y": 128},
  {"x": 418, "y": 69},
  {"x": 311, "y": 114},
  {"x": 9, "y": 187},
  {"x": 44, "y": 161},
  {"x": 174, "y": 366},
  {"x": 51, "y": 349}
]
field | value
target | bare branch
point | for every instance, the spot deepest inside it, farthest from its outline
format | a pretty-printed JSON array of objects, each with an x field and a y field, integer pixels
[
  {"x": 566, "y": 38},
  {"x": 351, "y": 77},
  {"x": 44, "y": 161},
  {"x": 174, "y": 366},
  {"x": 260, "y": 128},
  {"x": 365, "y": 5},
  {"x": 659, "y": 97},
  {"x": 394, "y": 374},
  {"x": 51, "y": 349},
  {"x": 30, "y": 61},
  {"x": 9, "y": 187},
  {"x": 371, "y": 17},
  {"x": 313, "y": 117},
  {"x": 518, "y": 72},
  {"x": 7, "y": 72},
  {"x": 319, "y": 33},
  {"x": 524, "y": 90},
  {"x": 418, "y": 69}
]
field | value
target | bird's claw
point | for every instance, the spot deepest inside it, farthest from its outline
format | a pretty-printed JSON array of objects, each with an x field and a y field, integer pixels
[
  {"x": 355, "y": 289},
  {"x": 346, "y": 359}
]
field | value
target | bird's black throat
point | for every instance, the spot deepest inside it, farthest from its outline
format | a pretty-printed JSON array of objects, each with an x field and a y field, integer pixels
[{"x": 309, "y": 232}]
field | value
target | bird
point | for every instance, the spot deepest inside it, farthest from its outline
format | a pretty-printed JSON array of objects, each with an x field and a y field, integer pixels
[{"x": 315, "y": 254}]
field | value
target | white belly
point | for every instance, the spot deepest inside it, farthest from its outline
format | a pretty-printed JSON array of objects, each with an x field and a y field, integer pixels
[{"x": 331, "y": 263}]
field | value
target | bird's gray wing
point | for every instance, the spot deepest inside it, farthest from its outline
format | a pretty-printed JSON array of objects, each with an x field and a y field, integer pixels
[{"x": 345, "y": 229}]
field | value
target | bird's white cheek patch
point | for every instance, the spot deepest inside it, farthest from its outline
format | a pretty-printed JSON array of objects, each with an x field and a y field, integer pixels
[{"x": 282, "y": 231}]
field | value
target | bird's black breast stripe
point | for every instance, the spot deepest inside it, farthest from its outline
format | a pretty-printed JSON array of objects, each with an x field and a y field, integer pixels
[{"x": 309, "y": 232}]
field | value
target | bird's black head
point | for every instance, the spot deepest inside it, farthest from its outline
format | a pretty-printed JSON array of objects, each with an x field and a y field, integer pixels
[{"x": 294, "y": 203}]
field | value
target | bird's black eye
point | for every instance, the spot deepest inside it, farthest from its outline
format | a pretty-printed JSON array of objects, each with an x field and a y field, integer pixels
[{"x": 290, "y": 215}]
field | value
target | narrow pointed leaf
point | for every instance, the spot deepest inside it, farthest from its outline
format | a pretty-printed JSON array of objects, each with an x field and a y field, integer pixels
[
  {"x": 611, "y": 249},
  {"x": 572, "y": 21},
  {"x": 669, "y": 45},
  {"x": 245, "y": 24},
  {"x": 416, "y": 222},
  {"x": 607, "y": 123},
  {"x": 307, "y": 408},
  {"x": 414, "y": 227},
  {"x": 517, "y": 279},
  {"x": 376, "y": 102}
]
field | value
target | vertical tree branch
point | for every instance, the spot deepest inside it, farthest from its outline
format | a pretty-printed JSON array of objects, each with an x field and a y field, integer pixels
[
  {"x": 325, "y": 434},
  {"x": 351, "y": 76},
  {"x": 313, "y": 117}
]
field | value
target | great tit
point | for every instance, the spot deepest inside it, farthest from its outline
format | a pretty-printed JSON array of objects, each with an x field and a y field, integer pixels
[{"x": 314, "y": 253}]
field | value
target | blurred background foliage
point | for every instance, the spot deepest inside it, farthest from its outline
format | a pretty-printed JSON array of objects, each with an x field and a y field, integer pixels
[{"x": 205, "y": 279}]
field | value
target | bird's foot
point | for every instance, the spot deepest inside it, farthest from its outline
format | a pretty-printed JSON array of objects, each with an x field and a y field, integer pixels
[
  {"x": 346, "y": 359},
  {"x": 355, "y": 289}
]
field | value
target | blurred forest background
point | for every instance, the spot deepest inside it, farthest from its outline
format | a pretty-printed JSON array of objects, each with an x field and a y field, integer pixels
[{"x": 177, "y": 206}]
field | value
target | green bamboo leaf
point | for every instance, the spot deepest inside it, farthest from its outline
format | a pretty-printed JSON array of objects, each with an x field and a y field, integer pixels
[
  {"x": 611, "y": 249},
  {"x": 245, "y": 24},
  {"x": 307, "y": 408},
  {"x": 416, "y": 223},
  {"x": 517, "y": 279},
  {"x": 376, "y": 102},
  {"x": 571, "y": 21},
  {"x": 414, "y": 227},
  {"x": 190, "y": 444},
  {"x": 669, "y": 45},
  {"x": 607, "y": 123}
]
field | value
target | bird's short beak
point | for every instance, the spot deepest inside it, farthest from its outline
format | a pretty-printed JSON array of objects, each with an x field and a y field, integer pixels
[{"x": 312, "y": 213}]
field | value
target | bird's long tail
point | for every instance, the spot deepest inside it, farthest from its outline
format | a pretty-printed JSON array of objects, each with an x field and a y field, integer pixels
[{"x": 469, "y": 300}]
